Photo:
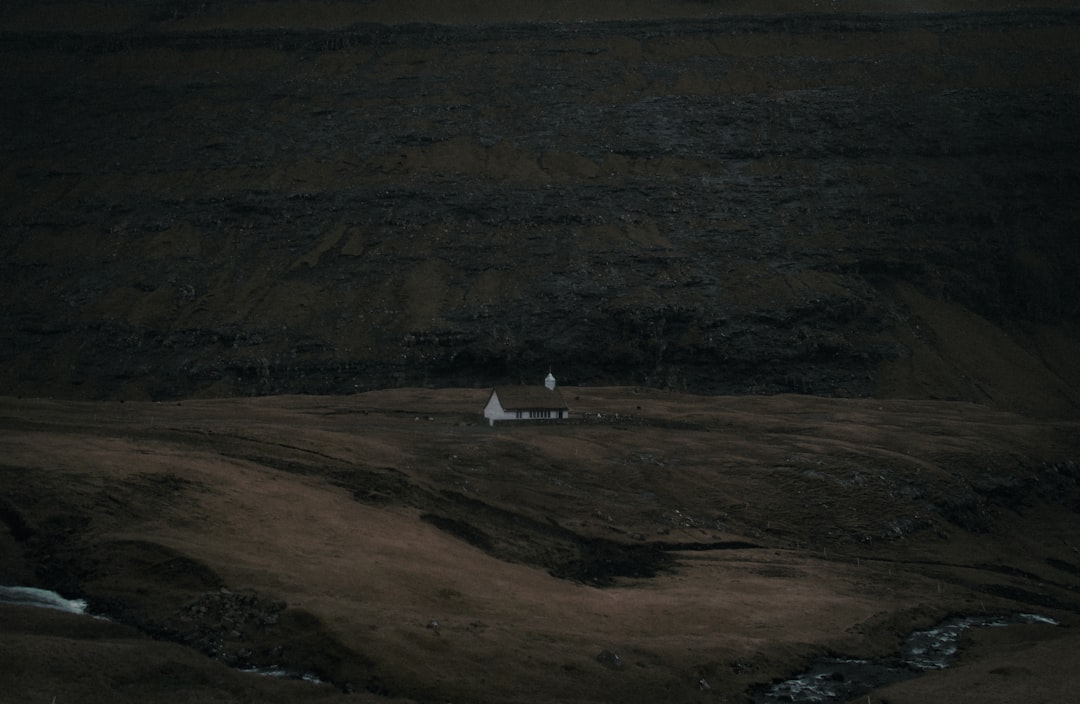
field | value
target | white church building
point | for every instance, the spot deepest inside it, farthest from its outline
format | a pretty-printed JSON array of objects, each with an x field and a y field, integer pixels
[{"x": 508, "y": 403}]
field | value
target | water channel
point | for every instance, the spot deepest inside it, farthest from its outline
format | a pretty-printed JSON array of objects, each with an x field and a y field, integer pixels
[
  {"x": 841, "y": 679},
  {"x": 43, "y": 598},
  {"x": 31, "y": 596},
  {"x": 827, "y": 679}
]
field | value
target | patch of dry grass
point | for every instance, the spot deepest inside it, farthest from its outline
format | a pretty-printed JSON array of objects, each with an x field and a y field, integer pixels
[{"x": 268, "y": 494}]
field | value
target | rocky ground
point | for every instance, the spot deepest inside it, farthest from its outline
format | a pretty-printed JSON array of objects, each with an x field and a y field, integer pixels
[
  {"x": 329, "y": 197},
  {"x": 391, "y": 545}
]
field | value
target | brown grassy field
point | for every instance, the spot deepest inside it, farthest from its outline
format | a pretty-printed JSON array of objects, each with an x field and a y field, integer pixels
[{"x": 658, "y": 547}]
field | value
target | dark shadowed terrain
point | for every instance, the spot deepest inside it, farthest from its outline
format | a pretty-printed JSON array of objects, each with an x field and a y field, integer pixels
[
  {"x": 211, "y": 199},
  {"x": 807, "y": 271}
]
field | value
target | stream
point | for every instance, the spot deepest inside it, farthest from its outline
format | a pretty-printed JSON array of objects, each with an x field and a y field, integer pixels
[
  {"x": 43, "y": 598},
  {"x": 827, "y": 679},
  {"x": 31, "y": 596},
  {"x": 841, "y": 679}
]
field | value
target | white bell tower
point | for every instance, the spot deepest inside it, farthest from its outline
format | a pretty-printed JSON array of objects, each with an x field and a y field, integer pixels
[{"x": 549, "y": 382}]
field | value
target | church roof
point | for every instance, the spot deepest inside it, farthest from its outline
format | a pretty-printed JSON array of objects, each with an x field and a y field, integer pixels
[{"x": 525, "y": 398}]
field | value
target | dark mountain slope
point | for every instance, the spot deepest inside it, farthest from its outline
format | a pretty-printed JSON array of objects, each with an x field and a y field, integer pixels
[{"x": 835, "y": 204}]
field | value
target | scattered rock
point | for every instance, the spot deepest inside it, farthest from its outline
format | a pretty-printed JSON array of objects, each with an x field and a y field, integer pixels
[{"x": 610, "y": 660}]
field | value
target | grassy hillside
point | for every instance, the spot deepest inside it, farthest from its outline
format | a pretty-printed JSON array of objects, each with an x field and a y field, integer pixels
[
  {"x": 393, "y": 545},
  {"x": 806, "y": 271}
]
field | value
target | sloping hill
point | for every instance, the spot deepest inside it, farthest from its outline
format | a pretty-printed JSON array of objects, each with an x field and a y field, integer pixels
[
  {"x": 394, "y": 546},
  {"x": 326, "y": 197}
]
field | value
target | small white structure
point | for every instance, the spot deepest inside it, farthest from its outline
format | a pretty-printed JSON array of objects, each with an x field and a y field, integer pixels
[{"x": 526, "y": 403}]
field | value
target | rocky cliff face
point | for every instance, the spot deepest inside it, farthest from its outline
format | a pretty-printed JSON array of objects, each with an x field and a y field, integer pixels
[{"x": 833, "y": 203}]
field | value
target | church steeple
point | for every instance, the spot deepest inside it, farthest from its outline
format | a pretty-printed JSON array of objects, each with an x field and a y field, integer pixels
[{"x": 549, "y": 381}]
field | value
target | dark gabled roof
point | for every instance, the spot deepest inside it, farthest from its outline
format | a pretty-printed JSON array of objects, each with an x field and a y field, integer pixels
[{"x": 525, "y": 398}]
